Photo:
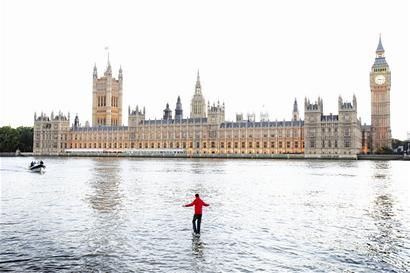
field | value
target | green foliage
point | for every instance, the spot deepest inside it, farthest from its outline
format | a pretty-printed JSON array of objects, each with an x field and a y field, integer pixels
[
  {"x": 384, "y": 150},
  {"x": 396, "y": 143},
  {"x": 12, "y": 139}
]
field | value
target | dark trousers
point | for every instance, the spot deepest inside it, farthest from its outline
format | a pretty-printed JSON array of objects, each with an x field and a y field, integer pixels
[{"x": 197, "y": 227}]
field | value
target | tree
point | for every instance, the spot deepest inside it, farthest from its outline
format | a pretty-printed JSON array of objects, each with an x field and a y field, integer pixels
[
  {"x": 12, "y": 139},
  {"x": 384, "y": 150},
  {"x": 25, "y": 139}
]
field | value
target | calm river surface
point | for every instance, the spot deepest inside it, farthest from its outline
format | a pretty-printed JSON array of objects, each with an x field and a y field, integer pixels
[{"x": 126, "y": 215}]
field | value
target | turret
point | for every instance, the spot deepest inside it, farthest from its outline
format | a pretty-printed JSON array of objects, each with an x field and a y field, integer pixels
[
  {"x": 95, "y": 74},
  {"x": 167, "y": 113},
  {"x": 354, "y": 101},
  {"x": 216, "y": 113},
  {"x": 76, "y": 121},
  {"x": 135, "y": 116},
  {"x": 178, "y": 110},
  {"x": 120, "y": 74},
  {"x": 347, "y": 106},
  {"x": 295, "y": 113}
]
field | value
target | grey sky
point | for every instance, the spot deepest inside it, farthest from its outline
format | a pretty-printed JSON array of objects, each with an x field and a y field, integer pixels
[{"x": 250, "y": 54}]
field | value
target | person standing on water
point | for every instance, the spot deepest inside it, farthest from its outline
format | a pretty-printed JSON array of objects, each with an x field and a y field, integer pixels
[{"x": 196, "y": 221}]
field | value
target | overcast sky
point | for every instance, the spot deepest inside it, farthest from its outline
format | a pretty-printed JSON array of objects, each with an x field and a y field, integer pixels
[{"x": 250, "y": 54}]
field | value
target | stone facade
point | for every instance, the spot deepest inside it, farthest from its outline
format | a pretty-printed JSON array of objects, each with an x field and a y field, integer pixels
[
  {"x": 380, "y": 83},
  {"x": 206, "y": 135},
  {"x": 51, "y": 134},
  {"x": 335, "y": 135}
]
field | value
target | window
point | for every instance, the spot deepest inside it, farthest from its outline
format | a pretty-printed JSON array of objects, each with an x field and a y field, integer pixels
[
  {"x": 222, "y": 145},
  {"x": 272, "y": 144},
  {"x": 250, "y": 145}
]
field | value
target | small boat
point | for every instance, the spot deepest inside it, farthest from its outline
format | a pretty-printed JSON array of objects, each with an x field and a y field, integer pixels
[{"x": 37, "y": 166}]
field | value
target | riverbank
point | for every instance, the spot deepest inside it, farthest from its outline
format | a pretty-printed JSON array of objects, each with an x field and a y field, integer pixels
[{"x": 228, "y": 156}]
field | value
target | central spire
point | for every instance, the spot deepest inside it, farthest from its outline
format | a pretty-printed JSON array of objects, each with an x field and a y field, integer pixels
[{"x": 198, "y": 84}]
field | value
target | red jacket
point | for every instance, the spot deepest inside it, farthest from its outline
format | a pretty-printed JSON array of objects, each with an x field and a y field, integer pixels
[{"x": 198, "y": 203}]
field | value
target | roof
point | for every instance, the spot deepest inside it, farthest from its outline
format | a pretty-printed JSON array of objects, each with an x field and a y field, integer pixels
[
  {"x": 100, "y": 128},
  {"x": 261, "y": 124},
  {"x": 174, "y": 121},
  {"x": 380, "y": 62}
]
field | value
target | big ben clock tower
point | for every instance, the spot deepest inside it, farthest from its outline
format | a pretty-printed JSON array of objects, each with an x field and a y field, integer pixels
[{"x": 380, "y": 82}]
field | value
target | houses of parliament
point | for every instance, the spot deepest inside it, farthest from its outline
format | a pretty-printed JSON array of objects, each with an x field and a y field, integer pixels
[{"x": 205, "y": 132}]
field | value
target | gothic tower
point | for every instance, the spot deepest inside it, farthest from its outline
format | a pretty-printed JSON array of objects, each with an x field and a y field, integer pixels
[
  {"x": 380, "y": 82},
  {"x": 107, "y": 98},
  {"x": 198, "y": 106}
]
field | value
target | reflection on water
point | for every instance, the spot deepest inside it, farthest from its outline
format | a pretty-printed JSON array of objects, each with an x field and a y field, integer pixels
[
  {"x": 381, "y": 169},
  {"x": 197, "y": 246},
  {"x": 125, "y": 215},
  {"x": 105, "y": 182},
  {"x": 385, "y": 244}
]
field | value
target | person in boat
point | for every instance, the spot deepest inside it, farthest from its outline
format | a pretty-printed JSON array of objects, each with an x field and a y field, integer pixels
[
  {"x": 196, "y": 220},
  {"x": 41, "y": 162}
]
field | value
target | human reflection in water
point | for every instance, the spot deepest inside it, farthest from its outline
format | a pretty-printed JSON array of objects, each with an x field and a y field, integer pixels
[
  {"x": 105, "y": 182},
  {"x": 197, "y": 246}
]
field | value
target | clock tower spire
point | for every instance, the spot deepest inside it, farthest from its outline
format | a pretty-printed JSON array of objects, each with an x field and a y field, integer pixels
[{"x": 380, "y": 83}]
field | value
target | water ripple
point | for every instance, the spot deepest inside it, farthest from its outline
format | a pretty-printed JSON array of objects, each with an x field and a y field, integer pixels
[{"x": 125, "y": 215}]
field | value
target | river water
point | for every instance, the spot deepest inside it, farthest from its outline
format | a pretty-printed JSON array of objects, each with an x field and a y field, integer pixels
[{"x": 126, "y": 215}]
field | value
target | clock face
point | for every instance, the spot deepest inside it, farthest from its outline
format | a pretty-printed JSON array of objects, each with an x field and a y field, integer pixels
[{"x": 379, "y": 79}]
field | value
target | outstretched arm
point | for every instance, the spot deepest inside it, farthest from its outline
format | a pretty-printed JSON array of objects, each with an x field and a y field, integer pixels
[{"x": 189, "y": 205}]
